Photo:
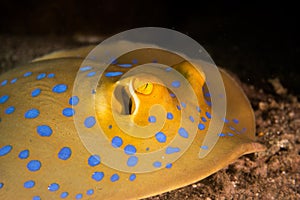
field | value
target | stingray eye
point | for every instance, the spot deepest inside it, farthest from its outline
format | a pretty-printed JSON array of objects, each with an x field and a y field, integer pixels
[{"x": 143, "y": 88}]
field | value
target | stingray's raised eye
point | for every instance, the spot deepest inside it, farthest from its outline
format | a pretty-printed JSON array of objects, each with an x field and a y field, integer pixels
[{"x": 143, "y": 87}]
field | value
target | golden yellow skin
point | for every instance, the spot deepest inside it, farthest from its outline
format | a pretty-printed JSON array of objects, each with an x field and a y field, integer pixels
[{"x": 75, "y": 175}]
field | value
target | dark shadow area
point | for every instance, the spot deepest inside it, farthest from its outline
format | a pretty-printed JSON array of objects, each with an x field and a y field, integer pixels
[{"x": 256, "y": 41}]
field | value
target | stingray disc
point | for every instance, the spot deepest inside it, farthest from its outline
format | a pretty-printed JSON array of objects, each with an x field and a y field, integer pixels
[{"x": 130, "y": 137}]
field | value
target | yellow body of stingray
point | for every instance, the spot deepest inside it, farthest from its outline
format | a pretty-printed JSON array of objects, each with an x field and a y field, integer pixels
[{"x": 43, "y": 157}]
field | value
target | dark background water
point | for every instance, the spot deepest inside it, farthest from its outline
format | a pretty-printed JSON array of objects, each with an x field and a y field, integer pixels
[{"x": 257, "y": 41}]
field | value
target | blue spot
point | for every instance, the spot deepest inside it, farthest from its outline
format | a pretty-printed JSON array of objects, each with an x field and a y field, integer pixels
[
  {"x": 90, "y": 192},
  {"x": 152, "y": 119},
  {"x": 74, "y": 100},
  {"x": 230, "y": 134},
  {"x": 169, "y": 165},
  {"x": 29, "y": 184},
  {"x": 34, "y": 165},
  {"x": 65, "y": 153},
  {"x": 36, "y": 198},
  {"x": 68, "y": 112},
  {"x": 5, "y": 150},
  {"x": 157, "y": 164},
  {"x": 44, "y": 130},
  {"x": 243, "y": 129},
  {"x": 208, "y": 103},
  {"x": 59, "y": 88},
  {"x": 79, "y": 196},
  {"x": 225, "y": 120},
  {"x": 1, "y": 185},
  {"x": 178, "y": 107},
  {"x": 94, "y": 160},
  {"x": 169, "y": 115},
  {"x": 132, "y": 177},
  {"x": 114, "y": 61},
  {"x": 10, "y": 110},
  {"x": 132, "y": 161},
  {"x": 41, "y": 76},
  {"x": 207, "y": 94},
  {"x": 113, "y": 74},
  {"x": 168, "y": 69},
  {"x": 172, "y": 95},
  {"x": 114, "y": 178},
  {"x": 52, "y": 75},
  {"x": 198, "y": 109},
  {"x": 203, "y": 119},
  {"x": 13, "y": 80},
  {"x": 27, "y": 74},
  {"x": 90, "y": 74},
  {"x": 191, "y": 118},
  {"x": 24, "y": 154},
  {"x": 32, "y": 113},
  {"x": 235, "y": 121},
  {"x": 85, "y": 68},
  {"x": 232, "y": 128},
  {"x": 208, "y": 115},
  {"x": 89, "y": 122},
  {"x": 3, "y": 99},
  {"x": 116, "y": 142},
  {"x": 4, "y": 83},
  {"x": 183, "y": 133},
  {"x": 204, "y": 147},
  {"x": 170, "y": 150},
  {"x": 64, "y": 195},
  {"x": 161, "y": 137},
  {"x": 110, "y": 126},
  {"x": 53, "y": 187},
  {"x": 130, "y": 149},
  {"x": 221, "y": 134},
  {"x": 93, "y": 91},
  {"x": 125, "y": 65},
  {"x": 36, "y": 92},
  {"x": 134, "y": 61},
  {"x": 176, "y": 84},
  {"x": 98, "y": 176},
  {"x": 201, "y": 126},
  {"x": 183, "y": 105}
]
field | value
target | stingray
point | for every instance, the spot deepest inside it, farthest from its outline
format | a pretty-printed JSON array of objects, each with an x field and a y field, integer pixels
[{"x": 42, "y": 155}]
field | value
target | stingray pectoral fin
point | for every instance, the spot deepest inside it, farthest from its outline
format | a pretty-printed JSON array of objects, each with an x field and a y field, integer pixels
[
  {"x": 39, "y": 107},
  {"x": 240, "y": 117},
  {"x": 240, "y": 120},
  {"x": 236, "y": 139}
]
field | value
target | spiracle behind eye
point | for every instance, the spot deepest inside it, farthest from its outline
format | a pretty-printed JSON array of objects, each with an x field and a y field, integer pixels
[
  {"x": 130, "y": 108},
  {"x": 124, "y": 99}
]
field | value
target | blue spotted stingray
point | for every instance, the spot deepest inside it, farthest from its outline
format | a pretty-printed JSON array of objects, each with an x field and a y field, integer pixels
[{"x": 43, "y": 156}]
